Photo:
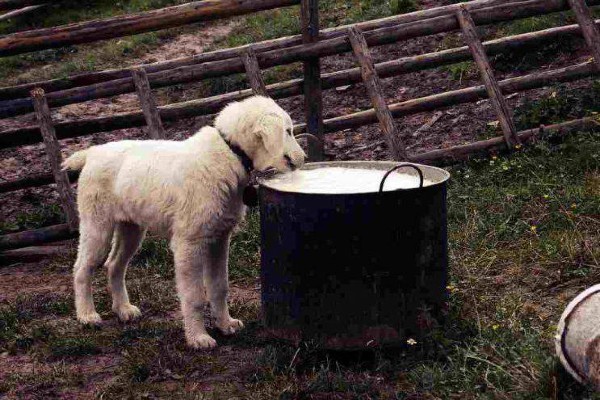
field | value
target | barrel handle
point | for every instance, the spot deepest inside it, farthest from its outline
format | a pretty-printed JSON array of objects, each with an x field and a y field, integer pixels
[{"x": 398, "y": 167}]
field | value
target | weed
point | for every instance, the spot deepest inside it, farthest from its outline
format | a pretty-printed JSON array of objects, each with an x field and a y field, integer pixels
[
  {"x": 558, "y": 106},
  {"x": 73, "y": 347},
  {"x": 402, "y": 6},
  {"x": 41, "y": 385},
  {"x": 462, "y": 70},
  {"x": 156, "y": 257},
  {"x": 43, "y": 215},
  {"x": 244, "y": 259},
  {"x": 65, "y": 61},
  {"x": 9, "y": 322}
]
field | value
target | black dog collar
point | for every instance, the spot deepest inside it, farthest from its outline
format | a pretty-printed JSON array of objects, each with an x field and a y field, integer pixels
[
  {"x": 250, "y": 195},
  {"x": 244, "y": 159}
]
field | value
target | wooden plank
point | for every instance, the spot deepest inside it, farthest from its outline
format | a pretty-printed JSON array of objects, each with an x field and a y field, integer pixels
[
  {"x": 194, "y": 73},
  {"x": 15, "y": 4},
  {"x": 168, "y": 17},
  {"x": 373, "y": 85},
  {"x": 35, "y": 237},
  {"x": 588, "y": 26},
  {"x": 313, "y": 96},
  {"x": 32, "y": 254},
  {"x": 42, "y": 112},
  {"x": 253, "y": 72},
  {"x": 148, "y": 103},
  {"x": 487, "y": 74},
  {"x": 70, "y": 129},
  {"x": 89, "y": 78},
  {"x": 33, "y": 181},
  {"x": 22, "y": 11}
]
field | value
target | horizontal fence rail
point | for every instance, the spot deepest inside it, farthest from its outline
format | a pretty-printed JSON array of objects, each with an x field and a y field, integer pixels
[
  {"x": 91, "y": 31},
  {"x": 14, "y": 4}
]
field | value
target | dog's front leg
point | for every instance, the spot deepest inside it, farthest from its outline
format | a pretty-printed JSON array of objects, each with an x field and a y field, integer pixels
[
  {"x": 217, "y": 285},
  {"x": 190, "y": 258}
]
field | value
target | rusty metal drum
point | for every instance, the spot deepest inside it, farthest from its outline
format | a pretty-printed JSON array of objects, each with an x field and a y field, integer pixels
[
  {"x": 355, "y": 270},
  {"x": 578, "y": 337}
]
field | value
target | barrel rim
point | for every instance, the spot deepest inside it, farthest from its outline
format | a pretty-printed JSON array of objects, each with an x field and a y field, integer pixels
[
  {"x": 562, "y": 332},
  {"x": 382, "y": 166}
]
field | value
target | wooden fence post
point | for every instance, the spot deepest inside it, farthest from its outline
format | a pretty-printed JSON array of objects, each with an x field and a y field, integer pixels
[
  {"x": 588, "y": 27},
  {"x": 313, "y": 98},
  {"x": 373, "y": 84},
  {"x": 491, "y": 84},
  {"x": 253, "y": 72},
  {"x": 42, "y": 112},
  {"x": 151, "y": 114}
]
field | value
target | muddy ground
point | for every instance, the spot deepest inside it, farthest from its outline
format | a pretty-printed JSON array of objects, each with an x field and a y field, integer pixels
[{"x": 48, "y": 279}]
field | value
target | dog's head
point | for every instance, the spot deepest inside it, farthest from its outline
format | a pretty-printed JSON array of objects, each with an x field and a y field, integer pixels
[{"x": 264, "y": 131}]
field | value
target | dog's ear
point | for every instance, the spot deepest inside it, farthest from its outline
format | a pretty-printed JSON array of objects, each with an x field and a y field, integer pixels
[{"x": 269, "y": 131}]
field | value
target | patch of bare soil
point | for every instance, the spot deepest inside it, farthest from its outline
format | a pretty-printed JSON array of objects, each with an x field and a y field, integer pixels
[
  {"x": 27, "y": 279},
  {"x": 422, "y": 132}
]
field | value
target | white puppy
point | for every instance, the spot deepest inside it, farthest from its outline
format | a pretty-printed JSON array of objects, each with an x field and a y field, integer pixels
[{"x": 189, "y": 191}]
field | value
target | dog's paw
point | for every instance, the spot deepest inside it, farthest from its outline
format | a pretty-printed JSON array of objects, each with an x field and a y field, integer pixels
[
  {"x": 230, "y": 326},
  {"x": 127, "y": 312},
  {"x": 91, "y": 318},
  {"x": 201, "y": 341}
]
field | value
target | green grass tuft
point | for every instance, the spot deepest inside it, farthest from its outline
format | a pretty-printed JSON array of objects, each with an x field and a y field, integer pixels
[
  {"x": 560, "y": 105},
  {"x": 244, "y": 259},
  {"x": 73, "y": 347}
]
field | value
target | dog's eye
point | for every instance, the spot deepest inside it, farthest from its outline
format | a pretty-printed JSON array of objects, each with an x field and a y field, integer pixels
[{"x": 290, "y": 131}]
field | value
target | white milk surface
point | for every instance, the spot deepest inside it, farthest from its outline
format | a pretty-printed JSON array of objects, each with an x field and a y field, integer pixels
[{"x": 337, "y": 180}]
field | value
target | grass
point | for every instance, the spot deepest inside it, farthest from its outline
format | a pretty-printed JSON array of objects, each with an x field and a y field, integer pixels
[
  {"x": 523, "y": 59},
  {"x": 286, "y": 22},
  {"x": 44, "y": 215},
  {"x": 559, "y": 105},
  {"x": 523, "y": 237},
  {"x": 462, "y": 70},
  {"x": 69, "y": 60},
  {"x": 62, "y": 62}
]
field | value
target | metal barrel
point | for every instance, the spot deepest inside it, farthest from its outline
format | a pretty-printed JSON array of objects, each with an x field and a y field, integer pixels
[
  {"x": 354, "y": 270},
  {"x": 578, "y": 337}
]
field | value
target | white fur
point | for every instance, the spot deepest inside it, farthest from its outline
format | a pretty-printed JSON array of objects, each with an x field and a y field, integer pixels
[{"x": 189, "y": 191}]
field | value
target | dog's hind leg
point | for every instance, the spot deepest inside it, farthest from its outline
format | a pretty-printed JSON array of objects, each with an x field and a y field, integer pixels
[
  {"x": 190, "y": 258},
  {"x": 217, "y": 285},
  {"x": 126, "y": 241},
  {"x": 94, "y": 243}
]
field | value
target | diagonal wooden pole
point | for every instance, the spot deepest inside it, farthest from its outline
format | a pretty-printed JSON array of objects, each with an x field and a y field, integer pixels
[
  {"x": 373, "y": 84},
  {"x": 42, "y": 112},
  {"x": 487, "y": 74}
]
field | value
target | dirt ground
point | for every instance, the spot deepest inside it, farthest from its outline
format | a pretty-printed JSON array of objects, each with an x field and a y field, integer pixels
[{"x": 44, "y": 280}]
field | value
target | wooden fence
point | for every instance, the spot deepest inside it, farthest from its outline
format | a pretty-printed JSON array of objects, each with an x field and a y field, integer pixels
[{"x": 308, "y": 47}]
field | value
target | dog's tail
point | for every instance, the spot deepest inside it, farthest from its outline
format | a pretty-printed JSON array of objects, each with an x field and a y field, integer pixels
[{"x": 76, "y": 161}]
